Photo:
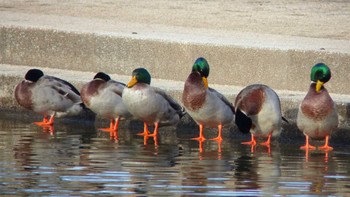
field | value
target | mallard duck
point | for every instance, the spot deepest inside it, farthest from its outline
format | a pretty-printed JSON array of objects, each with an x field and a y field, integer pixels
[
  {"x": 258, "y": 111},
  {"x": 150, "y": 104},
  {"x": 104, "y": 97},
  {"x": 48, "y": 95},
  {"x": 205, "y": 105},
  {"x": 317, "y": 115}
]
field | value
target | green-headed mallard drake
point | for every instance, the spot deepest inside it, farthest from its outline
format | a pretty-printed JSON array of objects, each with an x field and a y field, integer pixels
[
  {"x": 48, "y": 95},
  {"x": 104, "y": 97},
  {"x": 205, "y": 105},
  {"x": 150, "y": 104},
  {"x": 317, "y": 115},
  {"x": 258, "y": 111}
]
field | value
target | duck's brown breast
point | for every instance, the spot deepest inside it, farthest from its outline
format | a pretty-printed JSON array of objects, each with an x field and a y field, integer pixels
[
  {"x": 91, "y": 89},
  {"x": 23, "y": 94},
  {"x": 194, "y": 93},
  {"x": 317, "y": 105}
]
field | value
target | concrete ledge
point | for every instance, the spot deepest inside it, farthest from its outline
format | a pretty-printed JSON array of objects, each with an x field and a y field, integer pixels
[{"x": 238, "y": 59}]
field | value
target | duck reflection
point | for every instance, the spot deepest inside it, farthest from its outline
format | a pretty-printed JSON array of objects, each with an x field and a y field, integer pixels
[
  {"x": 245, "y": 173},
  {"x": 314, "y": 171}
]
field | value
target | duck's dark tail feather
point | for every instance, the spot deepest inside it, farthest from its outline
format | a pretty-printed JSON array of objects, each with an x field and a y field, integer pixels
[{"x": 243, "y": 122}]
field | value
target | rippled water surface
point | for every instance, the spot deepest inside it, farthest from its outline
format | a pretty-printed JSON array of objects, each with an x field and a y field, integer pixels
[{"x": 78, "y": 160}]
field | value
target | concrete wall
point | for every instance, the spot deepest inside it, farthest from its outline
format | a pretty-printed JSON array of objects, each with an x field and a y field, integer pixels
[{"x": 230, "y": 64}]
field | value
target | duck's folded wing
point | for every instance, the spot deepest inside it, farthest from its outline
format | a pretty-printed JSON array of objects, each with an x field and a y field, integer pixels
[
  {"x": 117, "y": 87},
  {"x": 172, "y": 102},
  {"x": 64, "y": 83},
  {"x": 223, "y": 98},
  {"x": 63, "y": 88}
]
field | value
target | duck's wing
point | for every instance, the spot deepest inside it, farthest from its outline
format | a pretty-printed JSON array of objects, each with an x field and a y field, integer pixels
[
  {"x": 62, "y": 87},
  {"x": 172, "y": 102},
  {"x": 64, "y": 83},
  {"x": 116, "y": 87},
  {"x": 223, "y": 99}
]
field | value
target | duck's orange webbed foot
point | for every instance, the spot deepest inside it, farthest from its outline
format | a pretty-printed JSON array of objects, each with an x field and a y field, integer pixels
[
  {"x": 326, "y": 147},
  {"x": 201, "y": 137},
  {"x": 267, "y": 142},
  {"x": 251, "y": 142},
  {"x": 145, "y": 130},
  {"x": 111, "y": 127},
  {"x": 45, "y": 122},
  {"x": 307, "y": 146},
  {"x": 219, "y": 137}
]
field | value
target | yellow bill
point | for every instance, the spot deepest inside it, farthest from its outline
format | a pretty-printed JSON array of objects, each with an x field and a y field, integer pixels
[
  {"x": 319, "y": 85},
  {"x": 132, "y": 82},
  {"x": 205, "y": 81}
]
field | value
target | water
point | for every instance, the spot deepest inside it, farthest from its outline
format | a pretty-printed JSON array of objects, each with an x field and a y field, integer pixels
[{"x": 78, "y": 160}]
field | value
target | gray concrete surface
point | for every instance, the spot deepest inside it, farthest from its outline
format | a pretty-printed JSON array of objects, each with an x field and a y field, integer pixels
[{"x": 270, "y": 42}]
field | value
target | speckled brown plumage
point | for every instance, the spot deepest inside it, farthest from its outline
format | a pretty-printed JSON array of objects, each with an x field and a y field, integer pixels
[
  {"x": 317, "y": 106},
  {"x": 194, "y": 92}
]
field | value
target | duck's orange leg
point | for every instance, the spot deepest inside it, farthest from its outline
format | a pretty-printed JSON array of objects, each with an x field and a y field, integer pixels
[
  {"x": 251, "y": 142},
  {"x": 145, "y": 130},
  {"x": 326, "y": 147},
  {"x": 155, "y": 132},
  {"x": 307, "y": 146},
  {"x": 219, "y": 137},
  {"x": 116, "y": 124},
  {"x": 201, "y": 137},
  {"x": 267, "y": 142}
]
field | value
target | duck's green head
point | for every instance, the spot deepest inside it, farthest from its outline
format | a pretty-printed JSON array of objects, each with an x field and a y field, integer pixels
[
  {"x": 139, "y": 75},
  {"x": 320, "y": 74},
  {"x": 34, "y": 75},
  {"x": 201, "y": 65},
  {"x": 103, "y": 76}
]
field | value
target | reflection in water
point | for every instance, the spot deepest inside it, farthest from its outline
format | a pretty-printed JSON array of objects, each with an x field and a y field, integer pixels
[
  {"x": 315, "y": 168},
  {"x": 246, "y": 173},
  {"x": 78, "y": 160}
]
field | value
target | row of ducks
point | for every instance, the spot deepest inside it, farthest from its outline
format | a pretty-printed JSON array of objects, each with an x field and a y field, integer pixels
[{"x": 256, "y": 109}]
